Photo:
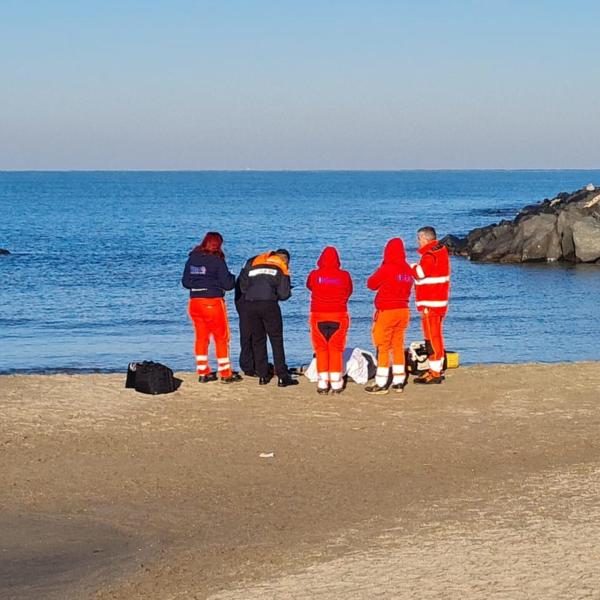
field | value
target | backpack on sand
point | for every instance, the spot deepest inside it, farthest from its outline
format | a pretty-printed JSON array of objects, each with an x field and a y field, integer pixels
[
  {"x": 151, "y": 378},
  {"x": 417, "y": 360}
]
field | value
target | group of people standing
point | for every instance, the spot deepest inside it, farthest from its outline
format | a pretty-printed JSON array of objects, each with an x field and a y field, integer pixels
[{"x": 265, "y": 281}]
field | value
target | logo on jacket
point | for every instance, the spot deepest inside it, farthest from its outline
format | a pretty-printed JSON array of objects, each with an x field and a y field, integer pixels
[
  {"x": 198, "y": 270},
  {"x": 329, "y": 280},
  {"x": 406, "y": 278}
]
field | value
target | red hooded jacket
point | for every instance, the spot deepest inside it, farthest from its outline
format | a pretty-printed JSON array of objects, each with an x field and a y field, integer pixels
[
  {"x": 330, "y": 286},
  {"x": 393, "y": 280}
]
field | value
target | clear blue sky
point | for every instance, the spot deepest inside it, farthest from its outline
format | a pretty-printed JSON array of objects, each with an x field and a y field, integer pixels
[{"x": 299, "y": 84}]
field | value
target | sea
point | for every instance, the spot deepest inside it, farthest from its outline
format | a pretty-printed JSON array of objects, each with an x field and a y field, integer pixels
[{"x": 93, "y": 280}]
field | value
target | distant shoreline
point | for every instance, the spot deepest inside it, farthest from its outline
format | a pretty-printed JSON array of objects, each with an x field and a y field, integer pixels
[{"x": 415, "y": 170}]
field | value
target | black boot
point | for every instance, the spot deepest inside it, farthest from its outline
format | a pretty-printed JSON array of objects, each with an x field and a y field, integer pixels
[
  {"x": 207, "y": 378},
  {"x": 286, "y": 380},
  {"x": 233, "y": 378}
]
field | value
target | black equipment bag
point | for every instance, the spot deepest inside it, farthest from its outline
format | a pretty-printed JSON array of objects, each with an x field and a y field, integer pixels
[
  {"x": 151, "y": 378},
  {"x": 416, "y": 357}
]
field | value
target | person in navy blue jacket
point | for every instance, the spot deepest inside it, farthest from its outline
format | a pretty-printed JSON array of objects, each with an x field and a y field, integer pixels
[{"x": 207, "y": 277}]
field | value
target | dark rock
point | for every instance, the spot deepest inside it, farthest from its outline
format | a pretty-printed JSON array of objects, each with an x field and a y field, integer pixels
[
  {"x": 494, "y": 242},
  {"x": 4, "y": 251},
  {"x": 545, "y": 207},
  {"x": 540, "y": 239},
  {"x": 478, "y": 233},
  {"x": 586, "y": 236},
  {"x": 566, "y": 228},
  {"x": 454, "y": 244},
  {"x": 494, "y": 250}
]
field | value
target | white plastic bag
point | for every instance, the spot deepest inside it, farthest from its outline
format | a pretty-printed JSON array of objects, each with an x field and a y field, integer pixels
[
  {"x": 356, "y": 366},
  {"x": 311, "y": 372}
]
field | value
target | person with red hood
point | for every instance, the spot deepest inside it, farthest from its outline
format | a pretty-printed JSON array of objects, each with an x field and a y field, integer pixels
[
  {"x": 207, "y": 277},
  {"x": 393, "y": 282},
  {"x": 330, "y": 288},
  {"x": 432, "y": 290}
]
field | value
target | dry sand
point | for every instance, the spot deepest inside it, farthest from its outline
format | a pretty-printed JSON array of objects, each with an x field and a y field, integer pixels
[{"x": 484, "y": 487}]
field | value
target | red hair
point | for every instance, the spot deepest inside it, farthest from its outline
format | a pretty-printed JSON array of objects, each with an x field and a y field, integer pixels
[{"x": 211, "y": 244}]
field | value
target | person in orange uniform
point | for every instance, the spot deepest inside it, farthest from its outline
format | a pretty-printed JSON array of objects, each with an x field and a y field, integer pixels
[
  {"x": 432, "y": 290},
  {"x": 330, "y": 288},
  {"x": 393, "y": 282},
  {"x": 207, "y": 277}
]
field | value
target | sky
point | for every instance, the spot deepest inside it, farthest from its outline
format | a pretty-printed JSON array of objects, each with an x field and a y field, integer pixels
[{"x": 463, "y": 84}]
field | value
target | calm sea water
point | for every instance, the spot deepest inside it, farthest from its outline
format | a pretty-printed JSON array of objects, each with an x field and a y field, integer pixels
[{"x": 94, "y": 278}]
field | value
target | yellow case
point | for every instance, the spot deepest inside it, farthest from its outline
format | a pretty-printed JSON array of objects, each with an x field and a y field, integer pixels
[{"x": 452, "y": 360}]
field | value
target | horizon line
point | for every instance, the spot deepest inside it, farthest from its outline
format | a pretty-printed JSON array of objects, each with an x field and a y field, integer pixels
[{"x": 403, "y": 170}]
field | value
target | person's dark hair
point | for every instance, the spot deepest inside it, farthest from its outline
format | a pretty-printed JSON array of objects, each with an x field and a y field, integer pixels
[
  {"x": 284, "y": 252},
  {"x": 211, "y": 244},
  {"x": 428, "y": 232}
]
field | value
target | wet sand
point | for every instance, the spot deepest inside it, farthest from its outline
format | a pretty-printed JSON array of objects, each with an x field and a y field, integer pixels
[{"x": 485, "y": 486}]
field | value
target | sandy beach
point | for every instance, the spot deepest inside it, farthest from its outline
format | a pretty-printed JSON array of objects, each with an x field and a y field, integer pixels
[{"x": 484, "y": 487}]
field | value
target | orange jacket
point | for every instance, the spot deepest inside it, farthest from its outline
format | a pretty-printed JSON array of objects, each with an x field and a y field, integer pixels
[{"x": 432, "y": 278}]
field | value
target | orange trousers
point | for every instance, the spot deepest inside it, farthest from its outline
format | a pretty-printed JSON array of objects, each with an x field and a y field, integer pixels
[
  {"x": 388, "y": 331},
  {"x": 209, "y": 316},
  {"x": 433, "y": 331},
  {"x": 328, "y": 335}
]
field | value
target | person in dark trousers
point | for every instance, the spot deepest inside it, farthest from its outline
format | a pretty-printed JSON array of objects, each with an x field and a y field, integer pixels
[
  {"x": 246, "y": 352},
  {"x": 264, "y": 282}
]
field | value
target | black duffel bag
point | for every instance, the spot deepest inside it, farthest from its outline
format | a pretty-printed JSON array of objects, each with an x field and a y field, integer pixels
[{"x": 151, "y": 378}]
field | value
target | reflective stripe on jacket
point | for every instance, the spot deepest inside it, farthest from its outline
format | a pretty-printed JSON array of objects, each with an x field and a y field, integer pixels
[
  {"x": 432, "y": 278},
  {"x": 265, "y": 277}
]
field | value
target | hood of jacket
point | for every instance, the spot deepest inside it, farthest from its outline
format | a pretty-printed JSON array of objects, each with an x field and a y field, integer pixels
[
  {"x": 394, "y": 252},
  {"x": 329, "y": 259}
]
